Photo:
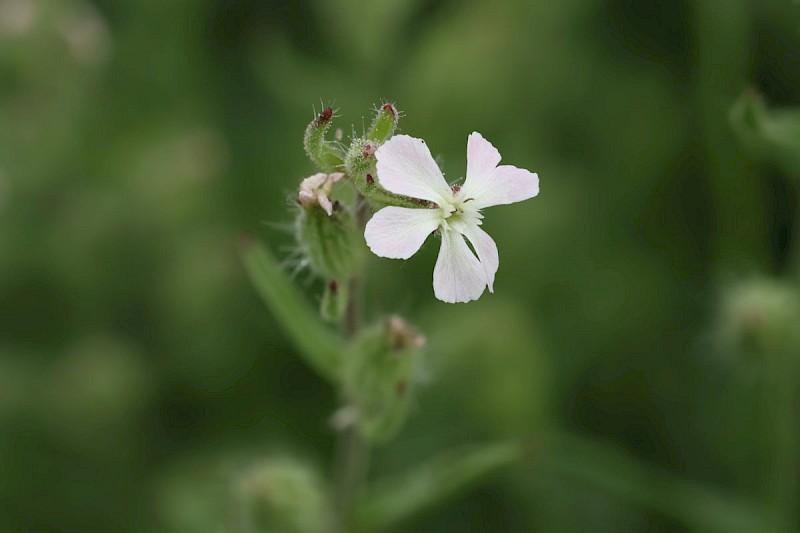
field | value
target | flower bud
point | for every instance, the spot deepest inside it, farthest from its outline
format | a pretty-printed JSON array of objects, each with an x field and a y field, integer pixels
[
  {"x": 384, "y": 123},
  {"x": 761, "y": 317},
  {"x": 379, "y": 373},
  {"x": 768, "y": 133},
  {"x": 360, "y": 158},
  {"x": 332, "y": 243},
  {"x": 322, "y": 152},
  {"x": 284, "y": 495},
  {"x": 334, "y": 301}
]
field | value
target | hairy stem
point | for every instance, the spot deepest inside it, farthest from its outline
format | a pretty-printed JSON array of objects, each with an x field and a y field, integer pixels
[{"x": 352, "y": 461}]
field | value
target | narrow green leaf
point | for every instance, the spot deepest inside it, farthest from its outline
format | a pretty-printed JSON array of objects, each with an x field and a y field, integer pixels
[
  {"x": 701, "y": 507},
  {"x": 392, "y": 500},
  {"x": 320, "y": 346}
]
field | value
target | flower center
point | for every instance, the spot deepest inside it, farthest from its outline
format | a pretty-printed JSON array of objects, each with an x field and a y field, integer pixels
[{"x": 458, "y": 210}]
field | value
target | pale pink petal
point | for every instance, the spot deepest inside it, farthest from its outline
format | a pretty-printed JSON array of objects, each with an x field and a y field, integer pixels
[
  {"x": 482, "y": 158},
  {"x": 458, "y": 275},
  {"x": 398, "y": 232},
  {"x": 336, "y": 176},
  {"x": 486, "y": 249},
  {"x": 505, "y": 185},
  {"x": 325, "y": 204},
  {"x": 405, "y": 166}
]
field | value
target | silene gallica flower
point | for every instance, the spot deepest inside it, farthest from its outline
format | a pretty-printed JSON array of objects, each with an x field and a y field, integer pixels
[
  {"x": 405, "y": 167},
  {"x": 316, "y": 190}
]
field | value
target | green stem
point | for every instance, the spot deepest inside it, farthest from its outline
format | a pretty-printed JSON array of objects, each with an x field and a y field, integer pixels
[
  {"x": 722, "y": 65},
  {"x": 352, "y": 462},
  {"x": 784, "y": 461}
]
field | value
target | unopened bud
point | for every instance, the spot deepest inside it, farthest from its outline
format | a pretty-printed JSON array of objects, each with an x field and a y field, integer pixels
[
  {"x": 360, "y": 158},
  {"x": 379, "y": 373},
  {"x": 284, "y": 495},
  {"x": 761, "y": 316},
  {"x": 402, "y": 336},
  {"x": 334, "y": 301},
  {"x": 384, "y": 123},
  {"x": 332, "y": 243},
  {"x": 322, "y": 152}
]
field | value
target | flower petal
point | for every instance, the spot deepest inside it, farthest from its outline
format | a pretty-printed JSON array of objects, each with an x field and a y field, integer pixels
[
  {"x": 458, "y": 275},
  {"x": 482, "y": 158},
  {"x": 505, "y": 185},
  {"x": 486, "y": 249},
  {"x": 398, "y": 232},
  {"x": 405, "y": 166}
]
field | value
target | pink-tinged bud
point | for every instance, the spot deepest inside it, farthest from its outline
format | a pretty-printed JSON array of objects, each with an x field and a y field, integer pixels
[
  {"x": 315, "y": 191},
  {"x": 402, "y": 336},
  {"x": 325, "y": 116},
  {"x": 389, "y": 108},
  {"x": 334, "y": 302}
]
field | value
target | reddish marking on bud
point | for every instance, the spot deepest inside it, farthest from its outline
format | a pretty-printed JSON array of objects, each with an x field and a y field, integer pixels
[
  {"x": 390, "y": 108},
  {"x": 325, "y": 116},
  {"x": 370, "y": 179},
  {"x": 401, "y": 387},
  {"x": 456, "y": 188},
  {"x": 333, "y": 286},
  {"x": 369, "y": 150}
]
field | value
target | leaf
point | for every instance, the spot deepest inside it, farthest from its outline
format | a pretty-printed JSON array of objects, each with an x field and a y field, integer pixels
[
  {"x": 318, "y": 344},
  {"x": 392, "y": 500},
  {"x": 701, "y": 507}
]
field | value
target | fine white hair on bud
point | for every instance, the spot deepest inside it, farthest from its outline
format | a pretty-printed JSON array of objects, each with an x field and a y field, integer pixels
[{"x": 405, "y": 166}]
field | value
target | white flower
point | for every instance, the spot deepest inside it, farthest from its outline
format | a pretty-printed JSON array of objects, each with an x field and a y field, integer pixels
[
  {"x": 314, "y": 190},
  {"x": 405, "y": 166}
]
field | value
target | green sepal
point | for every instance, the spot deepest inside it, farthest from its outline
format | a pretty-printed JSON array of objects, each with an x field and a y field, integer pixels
[
  {"x": 335, "y": 297},
  {"x": 323, "y": 153},
  {"x": 332, "y": 243},
  {"x": 384, "y": 123},
  {"x": 379, "y": 373}
]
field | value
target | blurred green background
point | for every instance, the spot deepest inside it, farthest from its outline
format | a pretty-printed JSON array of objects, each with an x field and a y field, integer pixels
[{"x": 634, "y": 302}]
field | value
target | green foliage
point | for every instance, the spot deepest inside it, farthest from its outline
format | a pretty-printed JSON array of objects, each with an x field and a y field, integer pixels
[
  {"x": 320, "y": 346},
  {"x": 393, "y": 500},
  {"x": 138, "y": 366}
]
